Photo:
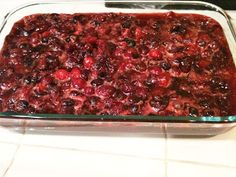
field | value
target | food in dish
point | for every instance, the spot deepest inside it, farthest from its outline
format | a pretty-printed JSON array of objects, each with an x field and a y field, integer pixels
[{"x": 164, "y": 64}]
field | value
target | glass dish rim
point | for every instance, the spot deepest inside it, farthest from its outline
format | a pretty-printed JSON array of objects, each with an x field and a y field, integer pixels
[{"x": 126, "y": 118}]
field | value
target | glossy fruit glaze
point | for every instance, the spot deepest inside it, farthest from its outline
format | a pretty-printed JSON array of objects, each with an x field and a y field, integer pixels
[{"x": 118, "y": 64}]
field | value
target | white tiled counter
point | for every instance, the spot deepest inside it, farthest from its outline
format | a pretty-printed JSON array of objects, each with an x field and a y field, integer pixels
[{"x": 49, "y": 153}]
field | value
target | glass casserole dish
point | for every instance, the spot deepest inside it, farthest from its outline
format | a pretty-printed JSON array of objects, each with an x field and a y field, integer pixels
[{"x": 177, "y": 125}]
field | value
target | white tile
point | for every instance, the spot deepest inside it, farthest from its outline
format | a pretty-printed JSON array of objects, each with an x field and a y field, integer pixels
[
  {"x": 212, "y": 150},
  {"x": 7, "y": 152},
  {"x": 153, "y": 147},
  {"x": 176, "y": 169},
  {"x": 11, "y": 135},
  {"x": 49, "y": 162}
]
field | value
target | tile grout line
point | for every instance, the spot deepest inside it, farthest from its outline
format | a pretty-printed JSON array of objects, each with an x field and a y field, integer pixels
[
  {"x": 91, "y": 151},
  {"x": 166, "y": 151},
  {"x": 202, "y": 163},
  {"x": 14, "y": 156}
]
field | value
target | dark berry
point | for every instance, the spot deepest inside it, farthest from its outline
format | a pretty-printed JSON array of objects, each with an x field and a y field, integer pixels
[
  {"x": 52, "y": 62},
  {"x": 79, "y": 18},
  {"x": 44, "y": 40},
  {"x": 193, "y": 112},
  {"x": 68, "y": 102},
  {"x": 205, "y": 101},
  {"x": 40, "y": 48},
  {"x": 208, "y": 112},
  {"x": 135, "y": 55},
  {"x": 165, "y": 65},
  {"x": 96, "y": 82},
  {"x": 85, "y": 74},
  {"x": 141, "y": 67},
  {"x": 133, "y": 99},
  {"x": 102, "y": 75},
  {"x": 134, "y": 109},
  {"x": 23, "y": 104},
  {"x": 126, "y": 24},
  {"x": 119, "y": 95},
  {"x": 111, "y": 46},
  {"x": 185, "y": 64},
  {"x": 184, "y": 93},
  {"x": 5, "y": 53},
  {"x": 130, "y": 42},
  {"x": 217, "y": 84},
  {"x": 159, "y": 102},
  {"x": 178, "y": 29},
  {"x": 28, "y": 79},
  {"x": 222, "y": 102},
  {"x": 28, "y": 61},
  {"x": 150, "y": 82}
]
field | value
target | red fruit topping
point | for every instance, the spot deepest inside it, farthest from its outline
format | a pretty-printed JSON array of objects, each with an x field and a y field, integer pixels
[
  {"x": 204, "y": 63},
  {"x": 139, "y": 33},
  {"x": 61, "y": 74},
  {"x": 91, "y": 40},
  {"x": 78, "y": 83},
  {"x": 155, "y": 70},
  {"x": 89, "y": 90},
  {"x": 126, "y": 87},
  {"x": 163, "y": 64},
  {"x": 105, "y": 91},
  {"x": 75, "y": 73},
  {"x": 116, "y": 108},
  {"x": 155, "y": 54},
  {"x": 164, "y": 80},
  {"x": 88, "y": 62}
]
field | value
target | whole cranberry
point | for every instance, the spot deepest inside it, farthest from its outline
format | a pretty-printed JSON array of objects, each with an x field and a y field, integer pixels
[
  {"x": 88, "y": 62},
  {"x": 159, "y": 102},
  {"x": 105, "y": 91},
  {"x": 185, "y": 64},
  {"x": 164, "y": 80},
  {"x": 116, "y": 108},
  {"x": 141, "y": 67},
  {"x": 139, "y": 33},
  {"x": 193, "y": 112},
  {"x": 89, "y": 90},
  {"x": 155, "y": 54},
  {"x": 126, "y": 87},
  {"x": 96, "y": 82},
  {"x": 61, "y": 74},
  {"x": 155, "y": 70},
  {"x": 119, "y": 95},
  {"x": 78, "y": 83},
  {"x": 75, "y": 73}
]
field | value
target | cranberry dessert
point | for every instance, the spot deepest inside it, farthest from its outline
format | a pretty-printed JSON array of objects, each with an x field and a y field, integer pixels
[{"x": 164, "y": 64}]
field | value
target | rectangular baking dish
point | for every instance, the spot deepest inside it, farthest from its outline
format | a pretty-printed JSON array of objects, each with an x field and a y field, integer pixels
[{"x": 154, "y": 124}]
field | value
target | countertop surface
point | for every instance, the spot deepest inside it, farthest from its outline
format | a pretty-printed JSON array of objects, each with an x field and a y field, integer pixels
[{"x": 59, "y": 153}]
